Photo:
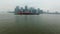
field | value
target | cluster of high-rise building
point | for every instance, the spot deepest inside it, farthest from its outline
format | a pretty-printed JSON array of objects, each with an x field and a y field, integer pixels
[{"x": 27, "y": 10}]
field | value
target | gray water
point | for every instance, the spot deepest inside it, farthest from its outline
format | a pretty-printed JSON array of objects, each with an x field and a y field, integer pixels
[{"x": 29, "y": 24}]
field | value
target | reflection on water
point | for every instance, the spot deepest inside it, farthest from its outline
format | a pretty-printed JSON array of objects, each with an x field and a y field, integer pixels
[{"x": 29, "y": 24}]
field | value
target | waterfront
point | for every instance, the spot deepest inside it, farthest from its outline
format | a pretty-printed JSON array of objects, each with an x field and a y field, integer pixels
[{"x": 29, "y": 24}]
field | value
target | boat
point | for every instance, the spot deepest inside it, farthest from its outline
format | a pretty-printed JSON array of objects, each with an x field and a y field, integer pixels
[{"x": 25, "y": 13}]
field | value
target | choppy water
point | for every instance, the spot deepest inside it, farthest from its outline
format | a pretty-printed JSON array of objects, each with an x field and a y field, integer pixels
[{"x": 29, "y": 24}]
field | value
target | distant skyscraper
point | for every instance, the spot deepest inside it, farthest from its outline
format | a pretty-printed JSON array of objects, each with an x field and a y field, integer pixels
[
  {"x": 21, "y": 8},
  {"x": 26, "y": 8},
  {"x": 38, "y": 10},
  {"x": 16, "y": 9},
  {"x": 31, "y": 9}
]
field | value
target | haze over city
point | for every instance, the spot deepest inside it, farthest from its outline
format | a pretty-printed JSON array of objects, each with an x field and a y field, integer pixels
[
  {"x": 29, "y": 16},
  {"x": 51, "y": 5}
]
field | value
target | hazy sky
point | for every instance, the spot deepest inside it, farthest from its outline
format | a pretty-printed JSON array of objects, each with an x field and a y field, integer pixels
[{"x": 51, "y": 5}]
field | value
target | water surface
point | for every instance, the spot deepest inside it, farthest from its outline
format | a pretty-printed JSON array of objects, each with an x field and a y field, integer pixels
[{"x": 29, "y": 24}]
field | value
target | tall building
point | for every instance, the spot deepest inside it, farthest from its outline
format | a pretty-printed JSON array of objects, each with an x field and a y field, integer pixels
[
  {"x": 31, "y": 9},
  {"x": 16, "y": 9},
  {"x": 38, "y": 10},
  {"x": 21, "y": 8},
  {"x": 26, "y": 8}
]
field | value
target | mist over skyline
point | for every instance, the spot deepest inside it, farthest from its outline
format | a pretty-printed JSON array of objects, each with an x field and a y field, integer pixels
[{"x": 52, "y": 5}]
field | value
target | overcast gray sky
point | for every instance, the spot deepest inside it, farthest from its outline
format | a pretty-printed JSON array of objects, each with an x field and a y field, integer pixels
[{"x": 52, "y": 5}]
